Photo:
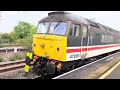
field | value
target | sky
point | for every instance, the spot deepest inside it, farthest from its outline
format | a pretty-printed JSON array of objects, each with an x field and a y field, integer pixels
[{"x": 9, "y": 19}]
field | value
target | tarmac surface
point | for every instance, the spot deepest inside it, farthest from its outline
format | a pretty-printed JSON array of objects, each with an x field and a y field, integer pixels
[
  {"x": 115, "y": 74},
  {"x": 93, "y": 71}
]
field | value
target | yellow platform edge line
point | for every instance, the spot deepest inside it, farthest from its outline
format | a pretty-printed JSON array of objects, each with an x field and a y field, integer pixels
[{"x": 109, "y": 71}]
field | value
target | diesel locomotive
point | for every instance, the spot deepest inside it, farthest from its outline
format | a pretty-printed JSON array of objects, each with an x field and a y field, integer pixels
[{"x": 63, "y": 40}]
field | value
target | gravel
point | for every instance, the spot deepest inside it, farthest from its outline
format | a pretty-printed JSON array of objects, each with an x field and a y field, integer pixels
[{"x": 17, "y": 74}]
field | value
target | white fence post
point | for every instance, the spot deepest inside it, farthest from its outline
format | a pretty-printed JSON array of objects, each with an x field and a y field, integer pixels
[
  {"x": 15, "y": 50},
  {"x": 6, "y": 50}
]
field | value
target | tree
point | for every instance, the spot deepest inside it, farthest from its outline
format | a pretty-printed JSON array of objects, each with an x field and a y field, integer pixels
[
  {"x": 22, "y": 30},
  {"x": 29, "y": 38},
  {"x": 23, "y": 34},
  {"x": 13, "y": 36},
  {"x": 5, "y": 36}
]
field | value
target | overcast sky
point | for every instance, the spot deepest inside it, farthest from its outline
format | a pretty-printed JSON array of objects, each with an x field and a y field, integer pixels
[{"x": 9, "y": 19}]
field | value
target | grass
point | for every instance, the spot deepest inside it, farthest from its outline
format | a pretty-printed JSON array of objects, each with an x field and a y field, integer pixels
[
  {"x": 1, "y": 59},
  {"x": 19, "y": 56},
  {"x": 1, "y": 45},
  {"x": 12, "y": 58}
]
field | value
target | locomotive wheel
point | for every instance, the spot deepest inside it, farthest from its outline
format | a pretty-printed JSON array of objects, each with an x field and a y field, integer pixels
[
  {"x": 51, "y": 69},
  {"x": 41, "y": 71}
]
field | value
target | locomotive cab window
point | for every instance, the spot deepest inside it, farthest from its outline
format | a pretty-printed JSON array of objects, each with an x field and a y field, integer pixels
[
  {"x": 75, "y": 30},
  {"x": 58, "y": 28},
  {"x": 42, "y": 27}
]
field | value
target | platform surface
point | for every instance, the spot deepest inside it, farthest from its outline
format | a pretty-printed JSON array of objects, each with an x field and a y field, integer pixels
[
  {"x": 115, "y": 74},
  {"x": 92, "y": 71}
]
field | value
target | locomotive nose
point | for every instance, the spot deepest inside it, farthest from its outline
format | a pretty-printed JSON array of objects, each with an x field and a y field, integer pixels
[
  {"x": 42, "y": 45},
  {"x": 52, "y": 46}
]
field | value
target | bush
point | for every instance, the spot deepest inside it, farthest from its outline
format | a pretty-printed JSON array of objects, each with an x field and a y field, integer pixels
[
  {"x": 1, "y": 59},
  {"x": 19, "y": 56},
  {"x": 12, "y": 58},
  {"x": 21, "y": 42},
  {"x": 0, "y": 46},
  {"x": 28, "y": 44}
]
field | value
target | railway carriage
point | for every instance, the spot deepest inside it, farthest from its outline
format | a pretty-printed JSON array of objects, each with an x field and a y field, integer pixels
[{"x": 63, "y": 40}]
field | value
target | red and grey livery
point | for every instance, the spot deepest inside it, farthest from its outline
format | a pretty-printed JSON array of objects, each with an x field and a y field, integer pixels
[
  {"x": 74, "y": 53},
  {"x": 84, "y": 40}
]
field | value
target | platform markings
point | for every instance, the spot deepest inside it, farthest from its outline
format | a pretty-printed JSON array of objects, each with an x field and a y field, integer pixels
[{"x": 109, "y": 71}]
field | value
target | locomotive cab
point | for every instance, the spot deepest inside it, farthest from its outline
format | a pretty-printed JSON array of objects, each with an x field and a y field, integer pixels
[{"x": 50, "y": 40}]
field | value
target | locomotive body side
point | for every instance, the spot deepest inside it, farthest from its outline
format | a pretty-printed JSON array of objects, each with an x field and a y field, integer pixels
[
  {"x": 101, "y": 42},
  {"x": 77, "y": 41},
  {"x": 91, "y": 42}
]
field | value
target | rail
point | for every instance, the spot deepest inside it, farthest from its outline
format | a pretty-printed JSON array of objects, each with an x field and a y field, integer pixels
[{"x": 8, "y": 66}]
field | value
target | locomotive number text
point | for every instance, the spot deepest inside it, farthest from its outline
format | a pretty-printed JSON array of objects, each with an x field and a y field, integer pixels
[{"x": 74, "y": 56}]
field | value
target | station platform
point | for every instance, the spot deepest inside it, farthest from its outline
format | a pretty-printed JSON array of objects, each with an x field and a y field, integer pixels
[
  {"x": 112, "y": 73},
  {"x": 97, "y": 70}
]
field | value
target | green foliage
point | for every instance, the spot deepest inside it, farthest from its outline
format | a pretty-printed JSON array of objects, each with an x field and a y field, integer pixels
[
  {"x": 29, "y": 38},
  {"x": 32, "y": 31},
  {"x": 19, "y": 56},
  {"x": 16, "y": 56},
  {"x": 0, "y": 46},
  {"x": 1, "y": 59},
  {"x": 20, "y": 41},
  {"x": 21, "y": 35},
  {"x": 5, "y": 36},
  {"x": 22, "y": 30},
  {"x": 12, "y": 58},
  {"x": 13, "y": 36},
  {"x": 27, "y": 42}
]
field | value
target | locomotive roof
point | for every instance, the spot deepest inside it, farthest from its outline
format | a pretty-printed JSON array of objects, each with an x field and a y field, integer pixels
[
  {"x": 65, "y": 16},
  {"x": 72, "y": 17}
]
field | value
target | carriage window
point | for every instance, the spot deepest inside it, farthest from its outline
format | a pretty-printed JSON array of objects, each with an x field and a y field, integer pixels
[
  {"x": 92, "y": 23},
  {"x": 75, "y": 30}
]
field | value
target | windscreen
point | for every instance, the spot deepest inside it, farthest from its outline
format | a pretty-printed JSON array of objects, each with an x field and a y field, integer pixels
[
  {"x": 43, "y": 27},
  {"x": 56, "y": 28}
]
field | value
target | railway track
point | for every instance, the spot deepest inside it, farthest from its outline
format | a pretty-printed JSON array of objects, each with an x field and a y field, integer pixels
[{"x": 4, "y": 67}]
